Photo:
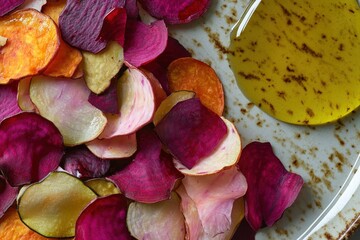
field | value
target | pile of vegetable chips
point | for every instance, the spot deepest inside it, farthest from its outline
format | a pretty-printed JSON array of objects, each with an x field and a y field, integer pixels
[{"x": 109, "y": 129}]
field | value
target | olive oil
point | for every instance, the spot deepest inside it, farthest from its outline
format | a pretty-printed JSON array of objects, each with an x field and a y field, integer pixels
[{"x": 299, "y": 60}]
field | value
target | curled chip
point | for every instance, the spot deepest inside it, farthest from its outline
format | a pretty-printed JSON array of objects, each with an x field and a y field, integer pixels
[{"x": 33, "y": 41}]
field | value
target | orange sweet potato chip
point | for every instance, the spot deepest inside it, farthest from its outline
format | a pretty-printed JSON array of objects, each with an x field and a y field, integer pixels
[
  {"x": 67, "y": 59},
  {"x": 33, "y": 41},
  {"x": 190, "y": 74},
  {"x": 65, "y": 62},
  {"x": 12, "y": 228}
]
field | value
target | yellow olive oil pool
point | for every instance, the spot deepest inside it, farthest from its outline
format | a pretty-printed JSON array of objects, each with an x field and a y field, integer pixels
[{"x": 299, "y": 60}]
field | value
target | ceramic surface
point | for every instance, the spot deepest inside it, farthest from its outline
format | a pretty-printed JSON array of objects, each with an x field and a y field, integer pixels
[{"x": 325, "y": 156}]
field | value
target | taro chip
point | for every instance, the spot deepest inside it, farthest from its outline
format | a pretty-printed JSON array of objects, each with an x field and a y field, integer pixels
[
  {"x": 81, "y": 23},
  {"x": 176, "y": 12},
  {"x": 213, "y": 200},
  {"x": 7, "y": 195},
  {"x": 65, "y": 102},
  {"x": 143, "y": 42},
  {"x": 122, "y": 146},
  {"x": 9, "y": 5},
  {"x": 82, "y": 163},
  {"x": 104, "y": 218},
  {"x": 162, "y": 220},
  {"x": 191, "y": 131},
  {"x": 53, "y": 9},
  {"x": 108, "y": 60},
  {"x": 34, "y": 38},
  {"x": 30, "y": 147},
  {"x": 8, "y": 103},
  {"x": 151, "y": 176},
  {"x": 115, "y": 25},
  {"x": 271, "y": 188},
  {"x": 23, "y": 96}
]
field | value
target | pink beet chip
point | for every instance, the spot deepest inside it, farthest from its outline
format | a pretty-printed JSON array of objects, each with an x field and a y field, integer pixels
[
  {"x": 107, "y": 101},
  {"x": 8, "y": 104},
  {"x": 30, "y": 148},
  {"x": 191, "y": 131},
  {"x": 104, "y": 219},
  {"x": 132, "y": 9},
  {"x": 174, "y": 11},
  {"x": 7, "y": 195},
  {"x": 151, "y": 176},
  {"x": 271, "y": 188},
  {"x": 143, "y": 43},
  {"x": 9, "y": 5},
  {"x": 82, "y": 163},
  {"x": 81, "y": 23}
]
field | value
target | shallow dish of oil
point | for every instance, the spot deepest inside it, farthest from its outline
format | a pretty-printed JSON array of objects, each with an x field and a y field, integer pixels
[{"x": 325, "y": 156}]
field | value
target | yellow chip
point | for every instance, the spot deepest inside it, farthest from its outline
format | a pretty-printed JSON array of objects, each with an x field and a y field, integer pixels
[{"x": 32, "y": 42}]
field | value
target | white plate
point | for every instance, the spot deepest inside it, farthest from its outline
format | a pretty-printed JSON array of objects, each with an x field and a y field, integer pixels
[{"x": 325, "y": 156}]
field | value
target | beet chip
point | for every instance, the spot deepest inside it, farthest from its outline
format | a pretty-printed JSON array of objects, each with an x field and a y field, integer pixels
[
  {"x": 82, "y": 163},
  {"x": 104, "y": 219},
  {"x": 8, "y": 104},
  {"x": 114, "y": 26},
  {"x": 151, "y": 176},
  {"x": 30, "y": 148},
  {"x": 81, "y": 23},
  {"x": 106, "y": 101},
  {"x": 8, "y": 5},
  {"x": 271, "y": 188},
  {"x": 143, "y": 43},
  {"x": 191, "y": 131},
  {"x": 174, "y": 11},
  {"x": 7, "y": 195}
]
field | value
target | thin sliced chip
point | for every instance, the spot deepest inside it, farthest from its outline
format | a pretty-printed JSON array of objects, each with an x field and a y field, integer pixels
[
  {"x": 224, "y": 155},
  {"x": 170, "y": 102},
  {"x": 100, "y": 68},
  {"x": 65, "y": 62},
  {"x": 132, "y": 9},
  {"x": 194, "y": 75},
  {"x": 8, "y": 103},
  {"x": 82, "y": 163},
  {"x": 12, "y": 228},
  {"x": 114, "y": 148},
  {"x": 30, "y": 147},
  {"x": 3, "y": 41},
  {"x": 160, "y": 73},
  {"x": 194, "y": 227},
  {"x": 159, "y": 92},
  {"x": 79, "y": 72},
  {"x": 65, "y": 103},
  {"x": 23, "y": 96},
  {"x": 35, "y": 39},
  {"x": 176, "y": 12},
  {"x": 144, "y": 43},
  {"x": 191, "y": 131},
  {"x": 137, "y": 104},
  {"x": 81, "y": 23},
  {"x": 162, "y": 220},
  {"x": 107, "y": 101},
  {"x": 102, "y": 186},
  {"x": 9, "y": 5},
  {"x": 52, "y": 206},
  {"x": 213, "y": 200},
  {"x": 7, "y": 196},
  {"x": 104, "y": 219},
  {"x": 115, "y": 25},
  {"x": 272, "y": 188},
  {"x": 53, "y": 9},
  {"x": 173, "y": 51},
  {"x": 151, "y": 176},
  {"x": 34, "y": 4}
]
